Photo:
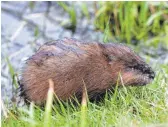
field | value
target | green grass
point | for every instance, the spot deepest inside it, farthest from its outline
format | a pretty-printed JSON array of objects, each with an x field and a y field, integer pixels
[
  {"x": 72, "y": 14},
  {"x": 134, "y": 21},
  {"x": 131, "y": 106},
  {"x": 126, "y": 107},
  {"x": 123, "y": 21}
]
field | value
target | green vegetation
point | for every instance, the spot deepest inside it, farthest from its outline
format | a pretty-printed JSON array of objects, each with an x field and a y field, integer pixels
[
  {"x": 131, "y": 22},
  {"x": 134, "y": 21},
  {"x": 72, "y": 13},
  {"x": 134, "y": 106},
  {"x": 12, "y": 73}
]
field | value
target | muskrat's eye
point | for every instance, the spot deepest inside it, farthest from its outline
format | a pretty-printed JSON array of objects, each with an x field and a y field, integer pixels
[{"x": 138, "y": 67}]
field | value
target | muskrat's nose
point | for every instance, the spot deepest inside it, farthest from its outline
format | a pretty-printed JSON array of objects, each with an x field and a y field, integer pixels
[{"x": 152, "y": 75}]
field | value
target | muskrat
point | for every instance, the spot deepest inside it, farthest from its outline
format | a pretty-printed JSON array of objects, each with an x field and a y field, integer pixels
[{"x": 70, "y": 63}]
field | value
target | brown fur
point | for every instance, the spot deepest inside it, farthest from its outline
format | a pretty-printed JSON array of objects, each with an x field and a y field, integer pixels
[{"x": 71, "y": 64}]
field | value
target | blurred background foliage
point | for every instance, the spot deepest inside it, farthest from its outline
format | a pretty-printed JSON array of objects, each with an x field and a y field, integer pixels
[
  {"x": 132, "y": 22},
  {"x": 129, "y": 22}
]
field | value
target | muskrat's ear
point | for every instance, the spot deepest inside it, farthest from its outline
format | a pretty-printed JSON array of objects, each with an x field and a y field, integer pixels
[{"x": 109, "y": 57}]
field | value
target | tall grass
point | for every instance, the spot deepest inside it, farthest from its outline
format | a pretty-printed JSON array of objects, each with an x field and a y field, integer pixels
[
  {"x": 12, "y": 73},
  {"x": 72, "y": 13},
  {"x": 134, "y": 21}
]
